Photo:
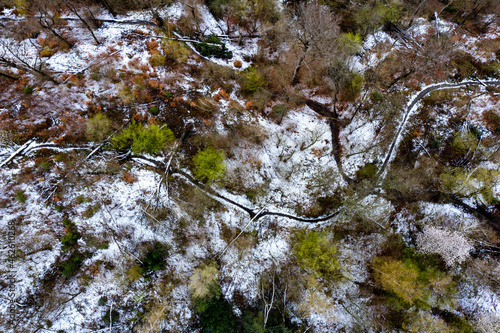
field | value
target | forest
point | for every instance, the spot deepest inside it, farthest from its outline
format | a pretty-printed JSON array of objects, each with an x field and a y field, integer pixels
[{"x": 250, "y": 166}]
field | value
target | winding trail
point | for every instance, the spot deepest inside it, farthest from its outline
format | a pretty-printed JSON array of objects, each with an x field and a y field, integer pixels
[
  {"x": 319, "y": 108},
  {"x": 411, "y": 106},
  {"x": 252, "y": 212}
]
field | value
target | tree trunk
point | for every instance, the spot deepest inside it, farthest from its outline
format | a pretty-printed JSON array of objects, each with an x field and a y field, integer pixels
[
  {"x": 75, "y": 11},
  {"x": 295, "y": 77}
]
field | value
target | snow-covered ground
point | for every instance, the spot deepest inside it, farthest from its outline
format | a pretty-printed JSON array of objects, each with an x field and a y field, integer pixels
[{"x": 286, "y": 165}]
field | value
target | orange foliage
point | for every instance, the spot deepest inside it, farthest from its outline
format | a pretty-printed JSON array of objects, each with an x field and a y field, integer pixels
[
  {"x": 153, "y": 84},
  {"x": 224, "y": 94},
  {"x": 139, "y": 118},
  {"x": 152, "y": 45},
  {"x": 128, "y": 178}
]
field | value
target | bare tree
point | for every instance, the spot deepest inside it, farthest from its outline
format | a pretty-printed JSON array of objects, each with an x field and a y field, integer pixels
[
  {"x": 73, "y": 7},
  {"x": 20, "y": 55},
  {"x": 312, "y": 33},
  {"x": 48, "y": 18},
  {"x": 452, "y": 246}
]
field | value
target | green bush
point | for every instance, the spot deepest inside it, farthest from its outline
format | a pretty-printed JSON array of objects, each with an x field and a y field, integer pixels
[
  {"x": 98, "y": 128},
  {"x": 110, "y": 317},
  {"x": 279, "y": 111},
  {"x": 20, "y": 196},
  {"x": 376, "y": 97},
  {"x": 71, "y": 266},
  {"x": 91, "y": 210},
  {"x": 367, "y": 171},
  {"x": 103, "y": 300},
  {"x": 140, "y": 139},
  {"x": 416, "y": 279},
  {"x": 213, "y": 47},
  {"x": 81, "y": 199},
  {"x": 28, "y": 90},
  {"x": 155, "y": 257},
  {"x": 316, "y": 254},
  {"x": 251, "y": 81},
  {"x": 353, "y": 87},
  {"x": 45, "y": 165},
  {"x": 218, "y": 317},
  {"x": 209, "y": 165},
  {"x": 72, "y": 236},
  {"x": 168, "y": 94},
  {"x": 204, "y": 286},
  {"x": 351, "y": 43},
  {"x": 153, "y": 110},
  {"x": 157, "y": 60}
]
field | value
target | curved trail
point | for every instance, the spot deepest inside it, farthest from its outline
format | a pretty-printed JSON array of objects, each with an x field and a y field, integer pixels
[
  {"x": 251, "y": 211},
  {"x": 413, "y": 102}
]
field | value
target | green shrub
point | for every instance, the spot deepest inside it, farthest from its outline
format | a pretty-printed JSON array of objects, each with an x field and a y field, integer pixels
[
  {"x": 251, "y": 81},
  {"x": 351, "y": 43},
  {"x": 157, "y": 60},
  {"x": 155, "y": 257},
  {"x": 209, "y": 165},
  {"x": 316, "y": 254},
  {"x": 153, "y": 110},
  {"x": 134, "y": 273},
  {"x": 28, "y": 90},
  {"x": 376, "y": 97},
  {"x": 204, "y": 286},
  {"x": 218, "y": 317},
  {"x": 71, "y": 266},
  {"x": 91, "y": 210},
  {"x": 20, "y": 196},
  {"x": 150, "y": 139},
  {"x": 72, "y": 236},
  {"x": 367, "y": 171},
  {"x": 415, "y": 280},
  {"x": 175, "y": 52},
  {"x": 279, "y": 111},
  {"x": 70, "y": 240},
  {"x": 168, "y": 94},
  {"x": 81, "y": 199},
  {"x": 353, "y": 87},
  {"x": 213, "y": 47},
  {"x": 45, "y": 165},
  {"x": 110, "y": 317},
  {"x": 103, "y": 300},
  {"x": 98, "y": 128},
  {"x": 95, "y": 76},
  {"x": 435, "y": 143}
]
